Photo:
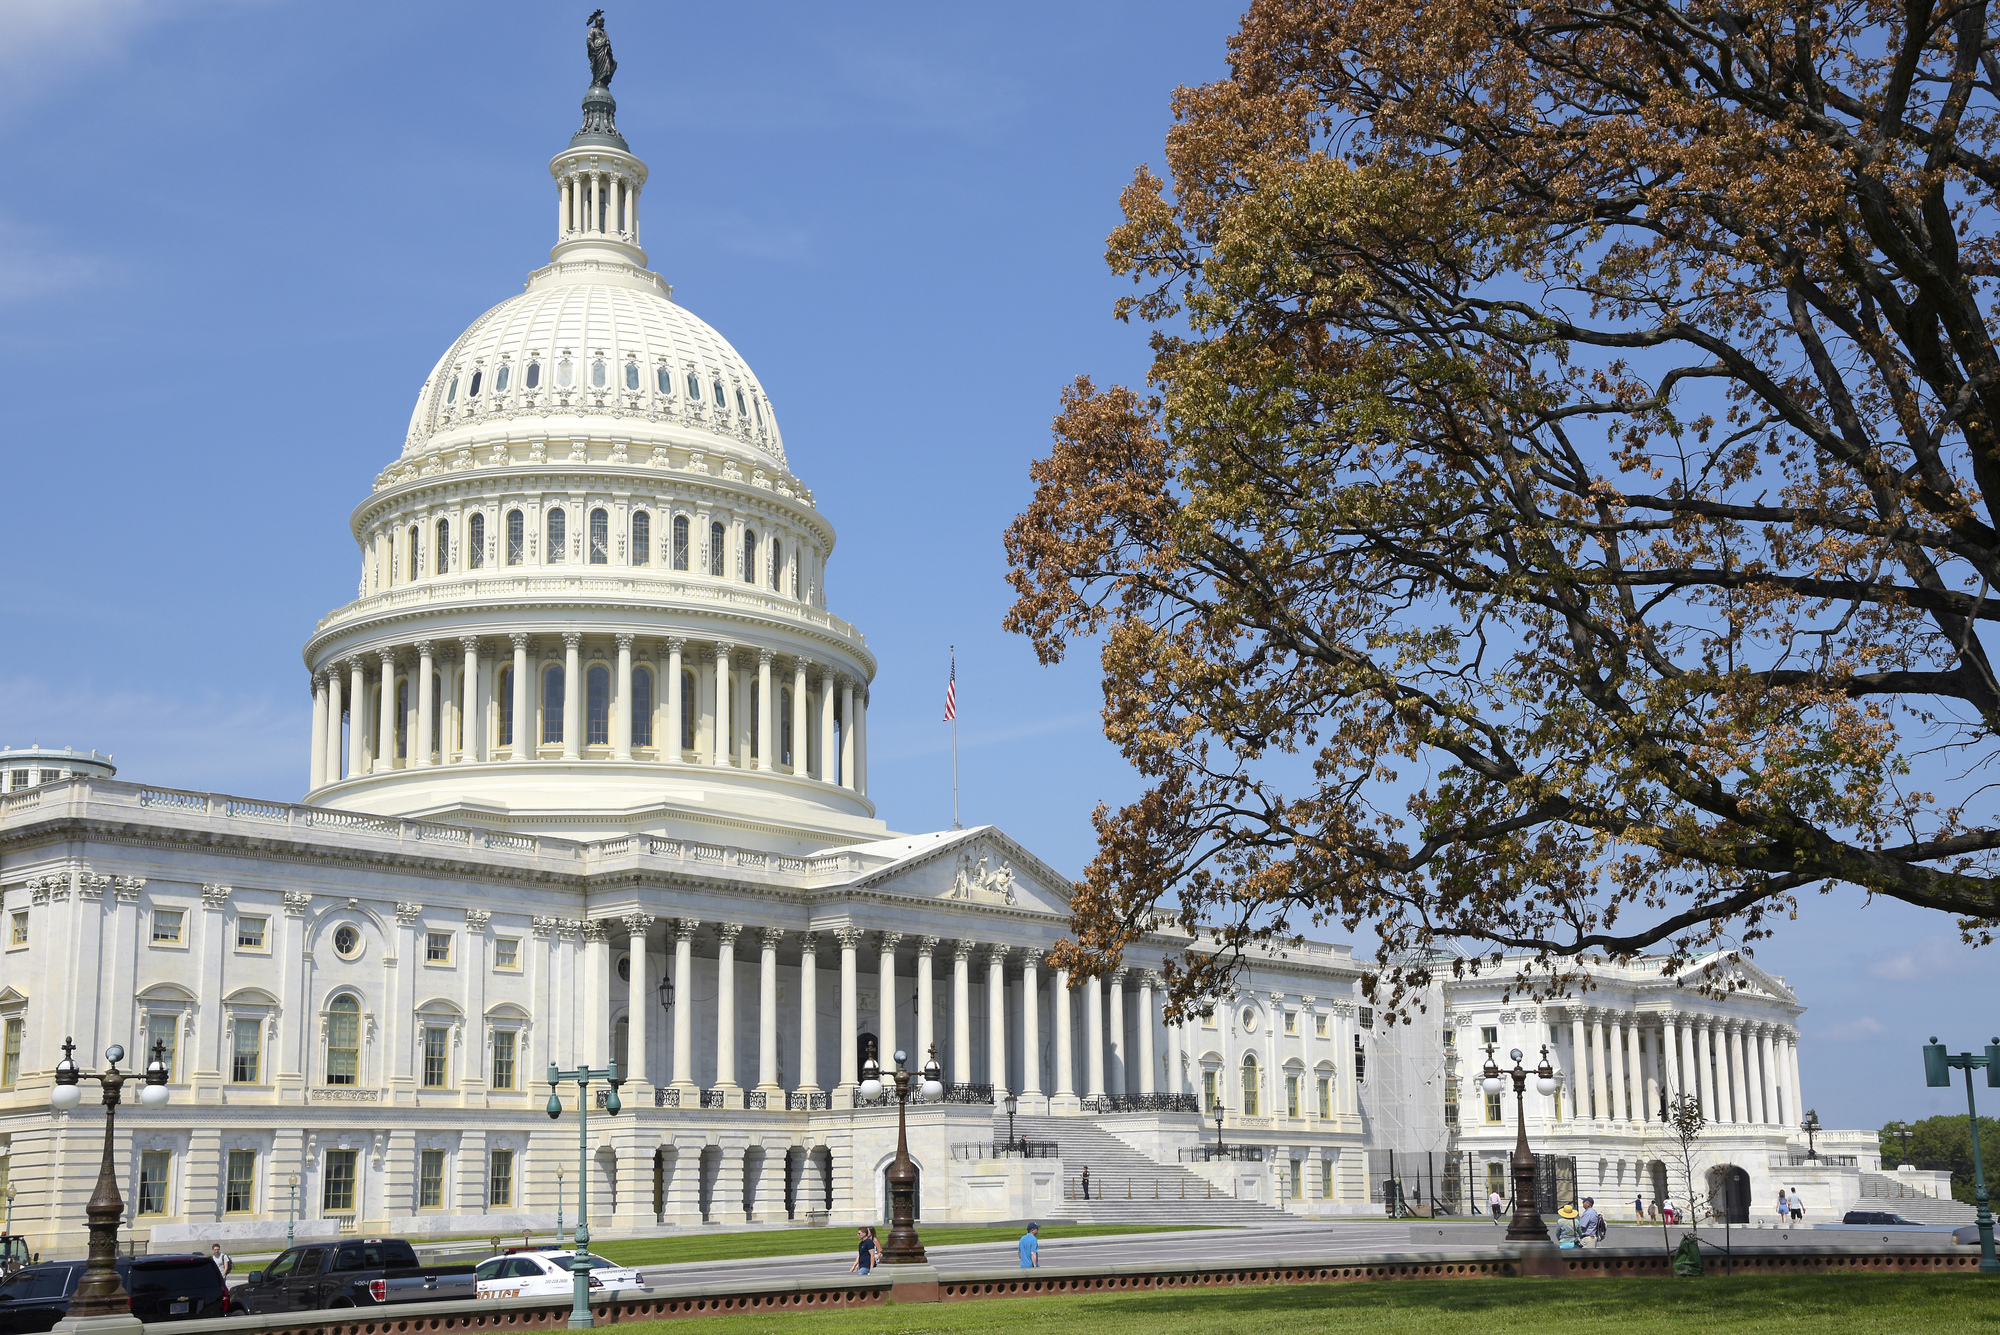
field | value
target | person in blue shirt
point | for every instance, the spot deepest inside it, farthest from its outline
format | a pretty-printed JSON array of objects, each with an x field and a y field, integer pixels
[{"x": 1031, "y": 1251}]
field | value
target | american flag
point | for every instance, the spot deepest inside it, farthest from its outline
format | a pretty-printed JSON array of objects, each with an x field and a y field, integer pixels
[{"x": 951, "y": 691}]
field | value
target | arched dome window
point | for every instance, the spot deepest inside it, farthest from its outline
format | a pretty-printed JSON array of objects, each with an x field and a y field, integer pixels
[
  {"x": 402, "y": 718},
  {"x": 694, "y": 387},
  {"x": 552, "y": 703},
  {"x": 597, "y": 373},
  {"x": 558, "y": 537},
  {"x": 443, "y": 546},
  {"x": 534, "y": 380},
  {"x": 343, "y": 1041},
  {"x": 1248, "y": 1107},
  {"x": 505, "y": 690},
  {"x": 720, "y": 401},
  {"x": 642, "y": 538},
  {"x": 472, "y": 390},
  {"x": 777, "y": 561},
  {"x": 749, "y": 556},
  {"x": 664, "y": 379},
  {"x": 597, "y": 705},
  {"x": 475, "y": 541},
  {"x": 687, "y": 710},
  {"x": 718, "y": 542},
  {"x": 600, "y": 537},
  {"x": 517, "y": 537},
  {"x": 416, "y": 551},
  {"x": 631, "y": 375},
  {"x": 757, "y": 408},
  {"x": 680, "y": 542},
  {"x": 741, "y": 410},
  {"x": 451, "y": 391},
  {"x": 501, "y": 377},
  {"x": 564, "y": 375},
  {"x": 642, "y": 706}
]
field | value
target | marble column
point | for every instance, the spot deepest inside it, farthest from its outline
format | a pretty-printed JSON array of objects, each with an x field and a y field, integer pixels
[
  {"x": 1739, "y": 1101},
  {"x": 926, "y": 1001},
  {"x": 471, "y": 716},
  {"x": 1114, "y": 1037},
  {"x": 1579, "y": 1057},
  {"x": 1798, "y": 1113},
  {"x": 597, "y": 992},
  {"x": 685, "y": 1008},
  {"x": 385, "y": 714},
  {"x": 335, "y": 709},
  {"x": 524, "y": 712},
  {"x": 420, "y": 745},
  {"x": 1620, "y": 1070},
  {"x": 861, "y": 740},
  {"x": 850, "y": 1008},
  {"x": 766, "y": 757},
  {"x": 1031, "y": 1025},
  {"x": 1714, "y": 1074},
  {"x": 669, "y": 744},
  {"x": 996, "y": 1020},
  {"x": 1767, "y": 1069},
  {"x": 1649, "y": 1094},
  {"x": 1148, "y": 980},
  {"x": 1600, "y": 1090},
  {"x": 621, "y": 703},
  {"x": 357, "y": 717},
  {"x": 317, "y": 775},
  {"x": 573, "y": 723},
  {"x": 725, "y": 1005},
  {"x": 1670, "y": 1057},
  {"x": 1093, "y": 1037},
  {"x": 961, "y": 1012},
  {"x": 1065, "y": 1072},
  {"x": 885, "y": 1024},
  {"x": 826, "y": 739},
  {"x": 639, "y": 1000},
  {"x": 724, "y": 685},
  {"x": 809, "y": 1013},
  {"x": 847, "y": 732},
  {"x": 800, "y": 737},
  {"x": 767, "y": 1014}
]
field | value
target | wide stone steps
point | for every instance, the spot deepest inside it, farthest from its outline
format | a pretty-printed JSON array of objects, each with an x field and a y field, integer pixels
[
  {"x": 1127, "y": 1187},
  {"x": 1882, "y": 1192}
]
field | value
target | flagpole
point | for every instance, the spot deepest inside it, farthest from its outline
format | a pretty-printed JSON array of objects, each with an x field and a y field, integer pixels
[{"x": 954, "y": 744}]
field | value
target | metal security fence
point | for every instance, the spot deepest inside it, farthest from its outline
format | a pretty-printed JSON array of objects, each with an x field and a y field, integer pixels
[{"x": 1434, "y": 1184}]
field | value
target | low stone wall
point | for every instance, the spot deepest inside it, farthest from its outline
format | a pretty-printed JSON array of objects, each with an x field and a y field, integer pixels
[{"x": 926, "y": 1284}]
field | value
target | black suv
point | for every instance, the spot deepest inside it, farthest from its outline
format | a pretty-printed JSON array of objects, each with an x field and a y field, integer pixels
[
  {"x": 1878, "y": 1217},
  {"x": 162, "y": 1288}
]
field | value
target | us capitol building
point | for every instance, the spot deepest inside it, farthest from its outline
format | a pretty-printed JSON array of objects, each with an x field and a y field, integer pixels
[{"x": 588, "y": 782}]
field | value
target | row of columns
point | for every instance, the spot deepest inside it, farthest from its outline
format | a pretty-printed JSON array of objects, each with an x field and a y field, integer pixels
[
  {"x": 842, "y": 751},
  {"x": 598, "y": 203},
  {"x": 1742, "y": 1071}
]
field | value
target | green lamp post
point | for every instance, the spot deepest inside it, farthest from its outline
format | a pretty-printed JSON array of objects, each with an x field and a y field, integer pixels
[
  {"x": 1938, "y": 1066},
  {"x": 579, "y": 1257}
]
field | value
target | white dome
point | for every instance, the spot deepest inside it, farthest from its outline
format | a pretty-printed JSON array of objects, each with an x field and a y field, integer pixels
[{"x": 601, "y": 341}]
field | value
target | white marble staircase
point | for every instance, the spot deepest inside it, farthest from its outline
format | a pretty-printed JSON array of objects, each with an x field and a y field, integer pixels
[
  {"x": 1879, "y": 1191},
  {"x": 1127, "y": 1187}
]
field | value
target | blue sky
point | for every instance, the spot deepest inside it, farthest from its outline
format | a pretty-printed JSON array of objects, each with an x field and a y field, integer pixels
[{"x": 235, "y": 236}]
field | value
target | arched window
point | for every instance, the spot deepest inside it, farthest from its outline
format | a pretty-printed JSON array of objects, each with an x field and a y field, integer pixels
[
  {"x": 680, "y": 542},
  {"x": 475, "y": 542},
  {"x": 741, "y": 411},
  {"x": 343, "y": 1041},
  {"x": 718, "y": 542},
  {"x": 552, "y": 703},
  {"x": 402, "y": 718},
  {"x": 451, "y": 391},
  {"x": 534, "y": 375},
  {"x": 517, "y": 538},
  {"x": 720, "y": 402},
  {"x": 473, "y": 392},
  {"x": 416, "y": 551},
  {"x": 777, "y": 561},
  {"x": 558, "y": 537},
  {"x": 642, "y": 538},
  {"x": 749, "y": 556},
  {"x": 443, "y": 546},
  {"x": 694, "y": 387},
  {"x": 785, "y": 726},
  {"x": 597, "y": 705},
  {"x": 506, "y": 690},
  {"x": 1248, "y": 1106},
  {"x": 642, "y": 706},
  {"x": 600, "y": 537},
  {"x": 687, "y": 711}
]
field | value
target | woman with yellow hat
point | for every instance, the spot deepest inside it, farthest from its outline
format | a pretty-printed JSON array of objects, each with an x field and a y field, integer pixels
[{"x": 1566, "y": 1235}]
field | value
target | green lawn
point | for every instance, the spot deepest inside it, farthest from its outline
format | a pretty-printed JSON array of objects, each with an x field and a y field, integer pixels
[
  {"x": 800, "y": 1241},
  {"x": 1764, "y": 1305}
]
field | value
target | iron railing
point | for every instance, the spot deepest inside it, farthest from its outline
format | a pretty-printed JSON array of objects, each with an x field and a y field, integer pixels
[
  {"x": 968, "y": 1094},
  {"x": 1205, "y": 1153},
  {"x": 715, "y": 1098},
  {"x": 797, "y": 1102},
  {"x": 1808, "y": 1160},
  {"x": 756, "y": 1099},
  {"x": 1169, "y": 1103},
  {"x": 1006, "y": 1149},
  {"x": 666, "y": 1098}
]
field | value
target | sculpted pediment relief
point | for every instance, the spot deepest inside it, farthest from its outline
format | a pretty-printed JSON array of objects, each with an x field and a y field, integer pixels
[
  {"x": 985, "y": 869},
  {"x": 987, "y": 878}
]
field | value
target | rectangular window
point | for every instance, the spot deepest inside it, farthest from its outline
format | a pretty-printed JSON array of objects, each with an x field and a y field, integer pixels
[
  {"x": 437, "y": 1053},
  {"x": 337, "y": 1191},
  {"x": 642, "y": 539},
  {"x": 167, "y": 926},
  {"x": 1496, "y": 1178},
  {"x": 1325, "y": 1096},
  {"x": 1360, "y": 1067},
  {"x": 162, "y": 1030},
  {"x": 246, "y": 1052},
  {"x": 1489, "y": 1034},
  {"x": 18, "y": 778},
  {"x": 240, "y": 1194},
  {"x": 1559, "y": 1103},
  {"x": 1319, "y": 1026},
  {"x": 1367, "y": 1017},
  {"x": 500, "y": 1178},
  {"x": 250, "y": 933},
  {"x": 507, "y": 952},
  {"x": 430, "y": 1181},
  {"x": 1326, "y": 1179},
  {"x": 1208, "y": 1091},
  {"x": 10, "y": 1063},
  {"x": 1493, "y": 1110},
  {"x": 1291, "y": 1096},
  {"x": 154, "y": 1167},
  {"x": 437, "y": 947},
  {"x": 1451, "y": 1107},
  {"x": 1291, "y": 1022},
  {"x": 1298, "y": 1179},
  {"x": 503, "y": 1058},
  {"x": 1208, "y": 1020},
  {"x": 19, "y": 936},
  {"x": 1451, "y": 1040}
]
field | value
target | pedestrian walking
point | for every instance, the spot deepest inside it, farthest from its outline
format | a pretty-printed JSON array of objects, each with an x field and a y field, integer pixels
[
  {"x": 1798, "y": 1207},
  {"x": 868, "y": 1254},
  {"x": 1086, "y": 1183},
  {"x": 221, "y": 1259},
  {"x": 1639, "y": 1208},
  {"x": 1494, "y": 1203},
  {"x": 1031, "y": 1251},
  {"x": 1784, "y": 1208}
]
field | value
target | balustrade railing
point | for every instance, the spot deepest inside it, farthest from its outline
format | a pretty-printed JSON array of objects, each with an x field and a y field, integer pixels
[
  {"x": 715, "y": 1098},
  {"x": 1171, "y": 1103},
  {"x": 1006, "y": 1149},
  {"x": 967, "y": 1094},
  {"x": 797, "y": 1102},
  {"x": 666, "y": 1098},
  {"x": 1204, "y": 1153},
  {"x": 756, "y": 1099}
]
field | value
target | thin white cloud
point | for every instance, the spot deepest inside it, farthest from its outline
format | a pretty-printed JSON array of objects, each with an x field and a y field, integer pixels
[
  {"x": 1855, "y": 1031},
  {"x": 45, "y": 45},
  {"x": 1925, "y": 960},
  {"x": 31, "y": 266}
]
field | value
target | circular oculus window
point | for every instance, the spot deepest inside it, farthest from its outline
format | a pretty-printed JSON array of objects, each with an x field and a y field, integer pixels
[
  {"x": 1250, "y": 1019},
  {"x": 625, "y": 969},
  {"x": 347, "y": 941}
]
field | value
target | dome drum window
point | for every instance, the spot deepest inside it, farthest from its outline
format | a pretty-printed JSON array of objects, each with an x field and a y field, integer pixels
[
  {"x": 718, "y": 543},
  {"x": 600, "y": 537},
  {"x": 597, "y": 373},
  {"x": 665, "y": 380},
  {"x": 534, "y": 380},
  {"x": 451, "y": 391},
  {"x": 642, "y": 538},
  {"x": 680, "y": 559},
  {"x": 564, "y": 374},
  {"x": 517, "y": 537},
  {"x": 749, "y": 556},
  {"x": 558, "y": 537},
  {"x": 472, "y": 390},
  {"x": 475, "y": 541},
  {"x": 631, "y": 375},
  {"x": 500, "y": 378}
]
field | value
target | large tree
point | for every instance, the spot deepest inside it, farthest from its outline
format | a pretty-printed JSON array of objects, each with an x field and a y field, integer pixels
[{"x": 1562, "y": 515}]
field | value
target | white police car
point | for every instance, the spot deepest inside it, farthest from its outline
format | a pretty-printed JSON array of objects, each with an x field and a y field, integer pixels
[{"x": 548, "y": 1275}]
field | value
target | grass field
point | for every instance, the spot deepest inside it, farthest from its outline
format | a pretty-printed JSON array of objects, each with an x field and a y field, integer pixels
[
  {"x": 1764, "y": 1305},
  {"x": 804, "y": 1241}
]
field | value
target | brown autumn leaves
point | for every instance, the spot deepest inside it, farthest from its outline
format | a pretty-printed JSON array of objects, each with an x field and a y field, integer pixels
[{"x": 1559, "y": 517}]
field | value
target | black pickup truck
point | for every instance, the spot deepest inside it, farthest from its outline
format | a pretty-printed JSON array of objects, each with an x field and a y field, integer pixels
[{"x": 366, "y": 1272}]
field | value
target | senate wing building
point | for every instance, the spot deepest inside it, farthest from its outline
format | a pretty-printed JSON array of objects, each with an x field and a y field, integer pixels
[{"x": 588, "y": 783}]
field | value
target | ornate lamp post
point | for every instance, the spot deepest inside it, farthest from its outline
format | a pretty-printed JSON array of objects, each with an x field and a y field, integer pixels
[
  {"x": 1903, "y": 1136},
  {"x": 9, "y": 1229},
  {"x": 904, "y": 1246},
  {"x": 1219, "y": 1110},
  {"x": 579, "y": 1257},
  {"x": 1012, "y": 1102},
  {"x": 559, "y": 1203},
  {"x": 1812, "y": 1128},
  {"x": 1527, "y": 1225},
  {"x": 100, "y": 1293},
  {"x": 1938, "y": 1066},
  {"x": 291, "y": 1210}
]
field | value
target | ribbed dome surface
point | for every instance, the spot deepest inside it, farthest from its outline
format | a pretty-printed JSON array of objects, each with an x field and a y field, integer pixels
[{"x": 594, "y": 340}]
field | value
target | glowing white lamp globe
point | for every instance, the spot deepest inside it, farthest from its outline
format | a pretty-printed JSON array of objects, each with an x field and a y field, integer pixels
[
  {"x": 933, "y": 1089},
  {"x": 1492, "y": 1084},
  {"x": 1547, "y": 1085},
  {"x": 870, "y": 1088},
  {"x": 64, "y": 1097},
  {"x": 153, "y": 1096}
]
